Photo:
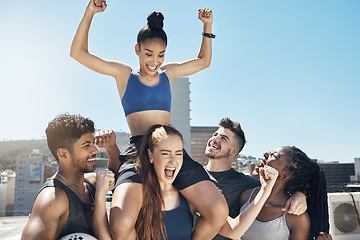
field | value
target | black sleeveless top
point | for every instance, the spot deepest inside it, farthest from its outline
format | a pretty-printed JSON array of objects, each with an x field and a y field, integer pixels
[{"x": 80, "y": 213}]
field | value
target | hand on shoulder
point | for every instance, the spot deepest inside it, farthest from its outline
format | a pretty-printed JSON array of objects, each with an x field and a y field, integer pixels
[{"x": 296, "y": 204}]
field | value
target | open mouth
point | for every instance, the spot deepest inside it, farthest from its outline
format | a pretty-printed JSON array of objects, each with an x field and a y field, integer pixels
[
  {"x": 91, "y": 159},
  {"x": 169, "y": 172},
  {"x": 215, "y": 146},
  {"x": 261, "y": 165},
  {"x": 152, "y": 68}
]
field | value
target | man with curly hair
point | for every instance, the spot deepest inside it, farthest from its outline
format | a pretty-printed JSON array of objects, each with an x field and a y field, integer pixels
[{"x": 66, "y": 202}]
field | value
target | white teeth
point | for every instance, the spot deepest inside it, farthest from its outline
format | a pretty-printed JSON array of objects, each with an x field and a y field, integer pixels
[
  {"x": 151, "y": 67},
  {"x": 91, "y": 160},
  {"x": 215, "y": 146},
  {"x": 171, "y": 169}
]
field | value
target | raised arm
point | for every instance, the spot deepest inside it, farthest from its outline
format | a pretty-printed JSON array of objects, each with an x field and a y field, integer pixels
[
  {"x": 234, "y": 228},
  {"x": 203, "y": 60},
  {"x": 79, "y": 48},
  {"x": 48, "y": 209},
  {"x": 106, "y": 138},
  {"x": 104, "y": 181}
]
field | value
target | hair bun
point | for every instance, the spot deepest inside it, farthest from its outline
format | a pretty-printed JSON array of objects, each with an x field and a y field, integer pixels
[{"x": 155, "y": 20}]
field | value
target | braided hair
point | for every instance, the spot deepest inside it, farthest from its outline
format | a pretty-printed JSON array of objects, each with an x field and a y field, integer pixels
[{"x": 309, "y": 178}]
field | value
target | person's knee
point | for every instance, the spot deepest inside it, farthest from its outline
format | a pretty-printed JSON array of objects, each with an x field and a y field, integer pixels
[
  {"x": 219, "y": 213},
  {"x": 217, "y": 207},
  {"x": 208, "y": 201},
  {"x": 216, "y": 210}
]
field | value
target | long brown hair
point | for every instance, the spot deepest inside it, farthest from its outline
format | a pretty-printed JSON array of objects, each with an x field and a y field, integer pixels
[{"x": 150, "y": 223}]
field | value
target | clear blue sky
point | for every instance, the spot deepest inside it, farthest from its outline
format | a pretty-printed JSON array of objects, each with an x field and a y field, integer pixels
[{"x": 289, "y": 71}]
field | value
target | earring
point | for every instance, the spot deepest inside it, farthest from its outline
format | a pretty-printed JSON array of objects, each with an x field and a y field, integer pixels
[
  {"x": 285, "y": 176},
  {"x": 151, "y": 161}
]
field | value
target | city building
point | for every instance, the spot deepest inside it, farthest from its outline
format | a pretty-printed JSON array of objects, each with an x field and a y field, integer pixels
[
  {"x": 3, "y": 199},
  {"x": 10, "y": 195},
  {"x": 31, "y": 173},
  {"x": 199, "y": 138},
  {"x": 337, "y": 174},
  {"x": 7, "y": 187},
  {"x": 180, "y": 109},
  {"x": 246, "y": 164},
  {"x": 357, "y": 169},
  {"x": 101, "y": 159}
]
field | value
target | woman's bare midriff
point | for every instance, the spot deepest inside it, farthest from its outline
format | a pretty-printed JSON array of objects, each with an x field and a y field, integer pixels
[{"x": 140, "y": 122}]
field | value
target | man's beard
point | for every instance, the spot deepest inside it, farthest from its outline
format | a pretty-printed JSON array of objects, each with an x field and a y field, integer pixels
[
  {"x": 218, "y": 155},
  {"x": 76, "y": 163}
]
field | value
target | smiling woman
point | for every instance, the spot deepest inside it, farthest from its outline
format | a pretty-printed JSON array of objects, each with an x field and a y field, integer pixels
[
  {"x": 297, "y": 172},
  {"x": 159, "y": 162},
  {"x": 145, "y": 94}
]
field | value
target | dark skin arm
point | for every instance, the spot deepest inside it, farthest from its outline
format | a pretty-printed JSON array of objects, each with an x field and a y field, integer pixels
[{"x": 299, "y": 226}]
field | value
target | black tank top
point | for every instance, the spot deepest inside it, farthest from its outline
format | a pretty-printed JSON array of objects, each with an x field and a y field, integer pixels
[{"x": 80, "y": 213}]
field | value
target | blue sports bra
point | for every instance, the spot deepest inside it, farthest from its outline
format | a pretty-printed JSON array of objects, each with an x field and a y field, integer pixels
[{"x": 139, "y": 97}]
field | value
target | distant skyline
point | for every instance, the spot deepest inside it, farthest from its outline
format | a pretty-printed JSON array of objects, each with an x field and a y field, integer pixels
[{"x": 288, "y": 71}]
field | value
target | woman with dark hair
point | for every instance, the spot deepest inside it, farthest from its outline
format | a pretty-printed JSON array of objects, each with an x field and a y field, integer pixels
[
  {"x": 145, "y": 94},
  {"x": 297, "y": 172}
]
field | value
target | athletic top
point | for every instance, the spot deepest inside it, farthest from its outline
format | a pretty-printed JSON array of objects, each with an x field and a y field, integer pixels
[
  {"x": 80, "y": 213},
  {"x": 231, "y": 184},
  {"x": 260, "y": 230},
  {"x": 179, "y": 221},
  {"x": 190, "y": 173},
  {"x": 139, "y": 97}
]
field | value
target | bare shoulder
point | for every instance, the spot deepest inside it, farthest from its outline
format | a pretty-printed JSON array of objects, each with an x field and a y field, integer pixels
[
  {"x": 48, "y": 216},
  {"x": 245, "y": 195},
  {"x": 170, "y": 70},
  {"x": 299, "y": 225},
  {"x": 51, "y": 199},
  {"x": 297, "y": 219},
  {"x": 122, "y": 70},
  {"x": 91, "y": 177}
]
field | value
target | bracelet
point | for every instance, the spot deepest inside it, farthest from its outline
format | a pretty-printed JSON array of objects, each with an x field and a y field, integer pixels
[{"x": 208, "y": 35}]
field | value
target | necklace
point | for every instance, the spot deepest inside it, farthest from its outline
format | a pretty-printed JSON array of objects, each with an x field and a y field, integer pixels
[
  {"x": 71, "y": 185},
  {"x": 269, "y": 205}
]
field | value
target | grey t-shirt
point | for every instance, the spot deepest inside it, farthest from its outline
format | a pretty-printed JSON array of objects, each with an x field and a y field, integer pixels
[{"x": 231, "y": 184}]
